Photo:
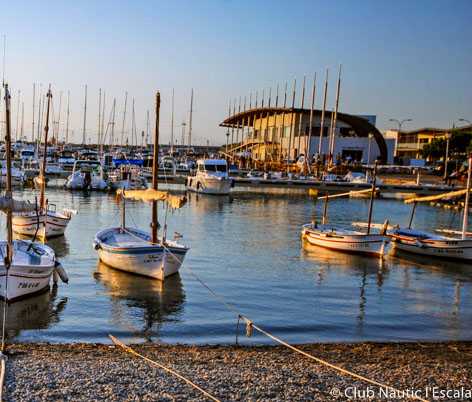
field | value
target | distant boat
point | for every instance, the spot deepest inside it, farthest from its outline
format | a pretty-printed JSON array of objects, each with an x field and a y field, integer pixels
[
  {"x": 46, "y": 222},
  {"x": 211, "y": 177},
  {"x": 431, "y": 244},
  {"x": 134, "y": 250},
  {"x": 336, "y": 238},
  {"x": 26, "y": 268},
  {"x": 86, "y": 175}
]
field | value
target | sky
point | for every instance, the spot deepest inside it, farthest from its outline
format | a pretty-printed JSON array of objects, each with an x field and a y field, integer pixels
[{"x": 401, "y": 59}]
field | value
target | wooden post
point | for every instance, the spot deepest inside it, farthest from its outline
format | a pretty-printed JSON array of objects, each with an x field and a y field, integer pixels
[
  {"x": 310, "y": 128},
  {"x": 465, "y": 220},
  {"x": 320, "y": 145},
  {"x": 155, "y": 167},
  {"x": 372, "y": 195}
]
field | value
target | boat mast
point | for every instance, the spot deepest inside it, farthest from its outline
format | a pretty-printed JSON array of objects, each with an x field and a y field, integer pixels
[
  {"x": 68, "y": 116},
  {"x": 8, "y": 191},
  {"x": 171, "y": 125},
  {"x": 155, "y": 165},
  {"x": 32, "y": 120},
  {"x": 190, "y": 120},
  {"x": 124, "y": 119},
  {"x": 85, "y": 117},
  {"x": 465, "y": 220},
  {"x": 372, "y": 195},
  {"x": 42, "y": 174},
  {"x": 323, "y": 111}
]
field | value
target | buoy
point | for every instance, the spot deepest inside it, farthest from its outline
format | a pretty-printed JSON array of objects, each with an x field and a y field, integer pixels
[
  {"x": 61, "y": 272},
  {"x": 313, "y": 192}
]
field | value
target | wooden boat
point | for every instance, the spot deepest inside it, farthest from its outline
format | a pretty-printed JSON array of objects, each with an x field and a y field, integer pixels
[
  {"x": 26, "y": 268},
  {"x": 336, "y": 238},
  {"x": 431, "y": 244},
  {"x": 46, "y": 222},
  {"x": 135, "y": 251}
]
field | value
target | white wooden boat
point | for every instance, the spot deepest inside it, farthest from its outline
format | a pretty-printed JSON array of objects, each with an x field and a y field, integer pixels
[
  {"x": 46, "y": 222},
  {"x": 330, "y": 237},
  {"x": 431, "y": 244},
  {"x": 131, "y": 250},
  {"x": 211, "y": 177},
  {"x": 26, "y": 268},
  {"x": 135, "y": 251}
]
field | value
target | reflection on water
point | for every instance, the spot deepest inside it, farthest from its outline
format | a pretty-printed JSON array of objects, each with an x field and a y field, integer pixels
[
  {"x": 139, "y": 304},
  {"x": 38, "y": 312},
  {"x": 59, "y": 244}
]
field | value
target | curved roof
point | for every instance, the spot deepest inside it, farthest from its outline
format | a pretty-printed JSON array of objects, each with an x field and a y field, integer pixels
[{"x": 360, "y": 125}]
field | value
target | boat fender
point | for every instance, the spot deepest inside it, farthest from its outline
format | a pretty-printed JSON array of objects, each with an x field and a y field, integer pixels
[{"x": 61, "y": 272}]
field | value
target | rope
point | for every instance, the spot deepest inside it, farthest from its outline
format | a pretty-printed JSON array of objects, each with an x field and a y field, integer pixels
[
  {"x": 117, "y": 342},
  {"x": 250, "y": 326}
]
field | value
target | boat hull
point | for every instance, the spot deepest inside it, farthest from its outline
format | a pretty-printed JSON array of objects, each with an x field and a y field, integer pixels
[
  {"x": 151, "y": 260},
  {"x": 214, "y": 186},
  {"x": 457, "y": 249},
  {"x": 373, "y": 244},
  {"x": 50, "y": 225}
]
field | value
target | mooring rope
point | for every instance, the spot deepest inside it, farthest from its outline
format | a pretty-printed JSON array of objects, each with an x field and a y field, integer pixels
[
  {"x": 250, "y": 325},
  {"x": 128, "y": 349}
]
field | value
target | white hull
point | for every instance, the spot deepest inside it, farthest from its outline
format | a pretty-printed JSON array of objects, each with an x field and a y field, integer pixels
[
  {"x": 345, "y": 241},
  {"x": 76, "y": 181},
  {"x": 426, "y": 244},
  {"x": 209, "y": 185},
  {"x": 45, "y": 226},
  {"x": 30, "y": 272},
  {"x": 131, "y": 251}
]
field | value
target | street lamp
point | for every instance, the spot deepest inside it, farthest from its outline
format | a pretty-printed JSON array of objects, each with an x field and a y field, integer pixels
[
  {"x": 400, "y": 123},
  {"x": 448, "y": 138},
  {"x": 368, "y": 149}
]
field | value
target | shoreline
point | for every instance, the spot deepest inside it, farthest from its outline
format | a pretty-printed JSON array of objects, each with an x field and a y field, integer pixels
[{"x": 43, "y": 371}]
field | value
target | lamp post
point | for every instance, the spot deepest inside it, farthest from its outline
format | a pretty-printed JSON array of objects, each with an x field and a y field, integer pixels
[
  {"x": 448, "y": 138},
  {"x": 368, "y": 149},
  {"x": 400, "y": 123}
]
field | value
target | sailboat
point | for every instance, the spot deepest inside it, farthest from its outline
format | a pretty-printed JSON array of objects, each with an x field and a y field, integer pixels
[
  {"x": 46, "y": 222},
  {"x": 26, "y": 267},
  {"x": 336, "y": 238},
  {"x": 432, "y": 244},
  {"x": 134, "y": 250}
]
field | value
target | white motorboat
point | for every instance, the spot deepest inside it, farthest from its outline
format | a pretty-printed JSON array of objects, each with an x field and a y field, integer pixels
[
  {"x": 26, "y": 268},
  {"x": 126, "y": 177},
  {"x": 211, "y": 177},
  {"x": 431, "y": 244},
  {"x": 135, "y": 251},
  {"x": 337, "y": 238},
  {"x": 46, "y": 222},
  {"x": 87, "y": 175}
]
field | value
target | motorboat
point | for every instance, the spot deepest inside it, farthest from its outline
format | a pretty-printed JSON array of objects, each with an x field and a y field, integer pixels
[
  {"x": 127, "y": 177},
  {"x": 86, "y": 175},
  {"x": 211, "y": 177}
]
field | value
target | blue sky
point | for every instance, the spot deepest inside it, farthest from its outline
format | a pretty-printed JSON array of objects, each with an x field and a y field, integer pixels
[{"x": 400, "y": 59}]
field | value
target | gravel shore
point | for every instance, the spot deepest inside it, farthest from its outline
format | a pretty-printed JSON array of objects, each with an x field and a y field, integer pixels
[{"x": 90, "y": 372}]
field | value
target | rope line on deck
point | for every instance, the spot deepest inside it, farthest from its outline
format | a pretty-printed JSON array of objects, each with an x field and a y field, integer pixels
[
  {"x": 128, "y": 349},
  {"x": 250, "y": 325}
]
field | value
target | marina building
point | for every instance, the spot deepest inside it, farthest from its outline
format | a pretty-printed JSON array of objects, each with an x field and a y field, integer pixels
[{"x": 270, "y": 134}]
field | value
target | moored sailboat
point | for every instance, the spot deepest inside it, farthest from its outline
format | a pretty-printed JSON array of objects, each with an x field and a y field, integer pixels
[
  {"x": 26, "y": 267},
  {"x": 432, "y": 244},
  {"x": 46, "y": 222},
  {"x": 134, "y": 250}
]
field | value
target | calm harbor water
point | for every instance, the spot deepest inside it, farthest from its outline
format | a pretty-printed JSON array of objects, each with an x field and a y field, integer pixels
[{"x": 247, "y": 247}]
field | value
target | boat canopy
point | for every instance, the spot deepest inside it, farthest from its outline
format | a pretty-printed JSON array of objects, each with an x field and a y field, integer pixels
[
  {"x": 150, "y": 194},
  {"x": 443, "y": 196}
]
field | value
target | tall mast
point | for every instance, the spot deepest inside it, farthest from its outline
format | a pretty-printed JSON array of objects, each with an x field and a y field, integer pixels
[
  {"x": 8, "y": 184},
  {"x": 155, "y": 165},
  {"x": 124, "y": 119},
  {"x": 301, "y": 115},
  {"x": 112, "y": 139},
  {"x": 147, "y": 127},
  {"x": 133, "y": 127},
  {"x": 171, "y": 125},
  {"x": 333, "y": 129},
  {"x": 42, "y": 176},
  {"x": 99, "y": 115},
  {"x": 85, "y": 117},
  {"x": 32, "y": 120},
  {"x": 22, "y": 119},
  {"x": 465, "y": 220},
  {"x": 291, "y": 124},
  {"x": 68, "y": 116},
  {"x": 17, "y": 115},
  {"x": 59, "y": 117},
  {"x": 190, "y": 120},
  {"x": 320, "y": 145},
  {"x": 102, "y": 131},
  {"x": 310, "y": 128}
]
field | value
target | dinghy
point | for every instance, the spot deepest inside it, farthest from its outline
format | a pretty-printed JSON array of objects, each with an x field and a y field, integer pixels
[
  {"x": 134, "y": 250},
  {"x": 46, "y": 222},
  {"x": 336, "y": 238},
  {"x": 26, "y": 268},
  {"x": 431, "y": 244}
]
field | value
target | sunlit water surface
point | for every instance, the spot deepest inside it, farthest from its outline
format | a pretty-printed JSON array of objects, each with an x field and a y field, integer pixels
[{"x": 247, "y": 248}]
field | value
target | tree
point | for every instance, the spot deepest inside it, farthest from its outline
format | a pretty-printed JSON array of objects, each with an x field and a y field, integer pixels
[{"x": 459, "y": 145}]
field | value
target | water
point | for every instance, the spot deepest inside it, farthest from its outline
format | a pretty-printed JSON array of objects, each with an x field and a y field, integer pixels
[{"x": 247, "y": 248}]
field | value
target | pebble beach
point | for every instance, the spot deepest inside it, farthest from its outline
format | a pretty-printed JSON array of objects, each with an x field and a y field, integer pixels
[{"x": 97, "y": 372}]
